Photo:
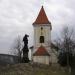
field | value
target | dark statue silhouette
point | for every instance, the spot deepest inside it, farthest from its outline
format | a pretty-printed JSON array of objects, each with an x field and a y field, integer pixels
[{"x": 25, "y": 49}]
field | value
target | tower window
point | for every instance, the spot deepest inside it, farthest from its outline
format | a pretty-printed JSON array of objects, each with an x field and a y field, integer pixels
[{"x": 41, "y": 39}]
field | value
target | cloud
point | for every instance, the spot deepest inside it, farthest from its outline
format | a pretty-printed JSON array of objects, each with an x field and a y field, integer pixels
[
  {"x": 60, "y": 13},
  {"x": 17, "y": 16}
]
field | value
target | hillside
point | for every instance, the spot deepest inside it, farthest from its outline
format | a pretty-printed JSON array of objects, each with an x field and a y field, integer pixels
[{"x": 31, "y": 69}]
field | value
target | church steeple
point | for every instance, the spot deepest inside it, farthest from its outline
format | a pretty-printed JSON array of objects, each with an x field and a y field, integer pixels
[
  {"x": 42, "y": 52},
  {"x": 42, "y": 18}
]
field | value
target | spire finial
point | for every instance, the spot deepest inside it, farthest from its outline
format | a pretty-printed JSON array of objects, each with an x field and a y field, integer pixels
[{"x": 42, "y": 6}]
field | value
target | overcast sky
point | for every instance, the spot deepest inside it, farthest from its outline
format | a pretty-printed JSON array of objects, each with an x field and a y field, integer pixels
[{"x": 17, "y": 16}]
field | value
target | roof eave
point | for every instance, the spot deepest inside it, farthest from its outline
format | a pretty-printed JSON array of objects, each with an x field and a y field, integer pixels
[{"x": 41, "y": 55}]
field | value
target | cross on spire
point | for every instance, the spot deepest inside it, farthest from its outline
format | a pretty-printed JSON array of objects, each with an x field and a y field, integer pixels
[{"x": 42, "y": 2}]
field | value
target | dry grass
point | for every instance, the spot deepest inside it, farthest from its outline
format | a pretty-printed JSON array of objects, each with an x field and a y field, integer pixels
[{"x": 31, "y": 69}]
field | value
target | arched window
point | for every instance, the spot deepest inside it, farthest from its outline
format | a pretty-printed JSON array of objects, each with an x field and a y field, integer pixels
[{"x": 41, "y": 39}]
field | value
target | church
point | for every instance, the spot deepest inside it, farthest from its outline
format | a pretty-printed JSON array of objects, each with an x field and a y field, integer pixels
[{"x": 42, "y": 51}]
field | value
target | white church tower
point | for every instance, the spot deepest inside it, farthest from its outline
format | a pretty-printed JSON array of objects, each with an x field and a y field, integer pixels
[{"x": 42, "y": 38}]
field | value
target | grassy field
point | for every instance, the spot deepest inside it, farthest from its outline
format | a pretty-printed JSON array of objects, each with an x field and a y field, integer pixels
[{"x": 28, "y": 69}]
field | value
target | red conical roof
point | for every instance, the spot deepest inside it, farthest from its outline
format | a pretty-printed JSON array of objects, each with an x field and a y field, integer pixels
[
  {"x": 41, "y": 52},
  {"x": 42, "y": 18}
]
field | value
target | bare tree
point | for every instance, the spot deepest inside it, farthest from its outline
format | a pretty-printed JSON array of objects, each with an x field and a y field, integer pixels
[
  {"x": 17, "y": 47},
  {"x": 66, "y": 46}
]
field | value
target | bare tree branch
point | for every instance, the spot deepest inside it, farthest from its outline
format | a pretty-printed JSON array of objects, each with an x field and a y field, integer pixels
[{"x": 17, "y": 47}]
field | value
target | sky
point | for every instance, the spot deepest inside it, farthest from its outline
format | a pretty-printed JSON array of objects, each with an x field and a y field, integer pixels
[{"x": 17, "y": 16}]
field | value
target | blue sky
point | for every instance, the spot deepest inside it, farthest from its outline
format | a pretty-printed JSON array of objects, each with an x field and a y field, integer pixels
[{"x": 17, "y": 16}]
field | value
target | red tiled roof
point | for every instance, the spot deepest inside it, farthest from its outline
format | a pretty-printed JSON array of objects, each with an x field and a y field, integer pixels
[
  {"x": 41, "y": 52},
  {"x": 42, "y": 18}
]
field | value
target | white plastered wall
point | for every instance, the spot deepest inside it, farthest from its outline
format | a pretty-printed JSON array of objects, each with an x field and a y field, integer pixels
[
  {"x": 42, "y": 59},
  {"x": 37, "y": 34},
  {"x": 46, "y": 44}
]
